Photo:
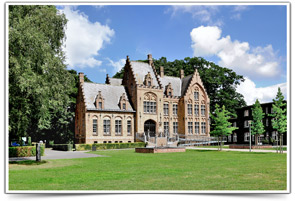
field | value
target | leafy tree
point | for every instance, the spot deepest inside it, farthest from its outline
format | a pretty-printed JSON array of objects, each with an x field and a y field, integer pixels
[
  {"x": 222, "y": 127},
  {"x": 279, "y": 121},
  {"x": 39, "y": 84},
  {"x": 257, "y": 127}
]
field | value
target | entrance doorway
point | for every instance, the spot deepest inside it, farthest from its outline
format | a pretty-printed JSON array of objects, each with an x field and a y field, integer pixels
[{"x": 150, "y": 126}]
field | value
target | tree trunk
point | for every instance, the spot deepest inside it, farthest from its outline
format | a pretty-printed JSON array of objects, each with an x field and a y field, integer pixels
[{"x": 221, "y": 142}]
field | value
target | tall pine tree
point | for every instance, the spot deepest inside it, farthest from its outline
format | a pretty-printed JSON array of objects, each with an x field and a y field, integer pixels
[
  {"x": 222, "y": 127},
  {"x": 279, "y": 120},
  {"x": 257, "y": 127}
]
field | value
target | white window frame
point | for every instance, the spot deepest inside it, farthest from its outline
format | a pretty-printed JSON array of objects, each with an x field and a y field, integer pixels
[
  {"x": 190, "y": 109},
  {"x": 203, "y": 110},
  {"x": 246, "y": 137},
  {"x": 166, "y": 109},
  {"x": 118, "y": 127}
]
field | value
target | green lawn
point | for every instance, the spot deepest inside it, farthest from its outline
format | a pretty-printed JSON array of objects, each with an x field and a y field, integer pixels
[{"x": 127, "y": 170}]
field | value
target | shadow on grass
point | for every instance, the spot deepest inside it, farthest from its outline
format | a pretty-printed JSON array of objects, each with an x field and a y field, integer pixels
[{"x": 28, "y": 162}]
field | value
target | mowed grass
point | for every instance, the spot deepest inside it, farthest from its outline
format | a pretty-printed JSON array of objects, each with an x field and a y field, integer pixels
[{"x": 127, "y": 170}]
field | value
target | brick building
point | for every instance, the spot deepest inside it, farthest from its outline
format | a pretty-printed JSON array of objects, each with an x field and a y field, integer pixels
[
  {"x": 242, "y": 135},
  {"x": 140, "y": 102}
]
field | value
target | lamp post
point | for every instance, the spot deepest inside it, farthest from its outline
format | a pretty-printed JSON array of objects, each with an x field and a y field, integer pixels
[{"x": 250, "y": 133}]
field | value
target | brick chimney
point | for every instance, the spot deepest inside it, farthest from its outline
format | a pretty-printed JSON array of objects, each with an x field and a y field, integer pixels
[
  {"x": 81, "y": 78},
  {"x": 181, "y": 73},
  {"x": 161, "y": 71},
  {"x": 150, "y": 59}
]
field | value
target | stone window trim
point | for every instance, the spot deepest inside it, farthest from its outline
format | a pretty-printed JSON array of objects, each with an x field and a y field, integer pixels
[
  {"x": 107, "y": 127},
  {"x": 123, "y": 102},
  {"x": 118, "y": 127},
  {"x": 175, "y": 127},
  {"x": 203, "y": 128},
  {"x": 148, "y": 80},
  {"x": 246, "y": 124},
  {"x": 196, "y": 109},
  {"x": 196, "y": 95},
  {"x": 169, "y": 90},
  {"x": 190, "y": 109},
  {"x": 175, "y": 109},
  {"x": 94, "y": 126},
  {"x": 197, "y": 127},
  {"x": 149, "y": 107},
  {"x": 166, "y": 127},
  {"x": 203, "y": 110},
  {"x": 229, "y": 138},
  {"x": 166, "y": 108},
  {"x": 190, "y": 127},
  {"x": 129, "y": 127},
  {"x": 99, "y": 101}
]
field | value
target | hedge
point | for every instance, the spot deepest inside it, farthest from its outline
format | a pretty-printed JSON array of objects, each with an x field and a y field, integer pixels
[
  {"x": 62, "y": 147},
  {"x": 24, "y": 151},
  {"x": 82, "y": 147}
]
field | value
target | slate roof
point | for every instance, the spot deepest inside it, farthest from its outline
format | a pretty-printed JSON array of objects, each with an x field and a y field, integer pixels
[
  {"x": 110, "y": 93},
  {"x": 175, "y": 83},
  {"x": 115, "y": 81},
  {"x": 141, "y": 69},
  {"x": 185, "y": 83}
]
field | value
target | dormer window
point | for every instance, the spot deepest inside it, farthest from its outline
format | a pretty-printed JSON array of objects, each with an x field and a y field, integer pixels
[
  {"x": 169, "y": 90},
  {"x": 148, "y": 80},
  {"x": 123, "y": 102},
  {"x": 99, "y": 101}
]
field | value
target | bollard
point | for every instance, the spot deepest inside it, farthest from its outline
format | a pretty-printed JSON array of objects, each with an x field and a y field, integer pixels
[{"x": 38, "y": 152}]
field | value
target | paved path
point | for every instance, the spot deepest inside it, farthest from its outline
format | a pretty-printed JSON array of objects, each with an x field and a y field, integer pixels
[
  {"x": 244, "y": 150},
  {"x": 54, "y": 154}
]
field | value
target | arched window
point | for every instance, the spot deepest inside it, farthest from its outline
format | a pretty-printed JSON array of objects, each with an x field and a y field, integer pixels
[
  {"x": 107, "y": 126},
  {"x": 94, "y": 125}
]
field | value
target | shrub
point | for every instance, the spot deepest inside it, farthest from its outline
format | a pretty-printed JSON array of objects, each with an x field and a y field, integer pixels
[
  {"x": 62, "y": 147},
  {"x": 82, "y": 147},
  {"x": 24, "y": 151}
]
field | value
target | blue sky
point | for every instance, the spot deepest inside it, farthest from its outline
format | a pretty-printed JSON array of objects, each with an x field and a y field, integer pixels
[{"x": 250, "y": 39}]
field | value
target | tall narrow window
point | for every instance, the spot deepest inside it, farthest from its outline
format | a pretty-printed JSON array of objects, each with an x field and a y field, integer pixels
[
  {"x": 229, "y": 138},
  {"x": 124, "y": 106},
  {"x": 175, "y": 127},
  {"x": 246, "y": 137},
  {"x": 94, "y": 125},
  {"x": 246, "y": 113},
  {"x": 190, "y": 127},
  {"x": 196, "y": 110},
  {"x": 203, "y": 110},
  {"x": 118, "y": 127},
  {"x": 129, "y": 127},
  {"x": 166, "y": 127},
  {"x": 100, "y": 105},
  {"x": 266, "y": 122},
  {"x": 166, "y": 109},
  {"x": 235, "y": 138},
  {"x": 189, "y": 109},
  {"x": 266, "y": 110},
  {"x": 106, "y": 126},
  {"x": 246, "y": 124},
  {"x": 197, "y": 128},
  {"x": 196, "y": 95},
  {"x": 203, "y": 127},
  {"x": 175, "y": 109}
]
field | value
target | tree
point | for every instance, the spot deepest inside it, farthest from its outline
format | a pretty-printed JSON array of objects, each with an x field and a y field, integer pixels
[
  {"x": 222, "y": 127},
  {"x": 257, "y": 127},
  {"x": 39, "y": 84},
  {"x": 279, "y": 120}
]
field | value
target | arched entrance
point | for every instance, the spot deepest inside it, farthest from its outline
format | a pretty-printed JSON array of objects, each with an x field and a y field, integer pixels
[{"x": 150, "y": 126}]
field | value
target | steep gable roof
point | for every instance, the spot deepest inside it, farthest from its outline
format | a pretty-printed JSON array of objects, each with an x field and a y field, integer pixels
[
  {"x": 175, "y": 84},
  {"x": 110, "y": 93},
  {"x": 185, "y": 84},
  {"x": 115, "y": 81},
  {"x": 140, "y": 70}
]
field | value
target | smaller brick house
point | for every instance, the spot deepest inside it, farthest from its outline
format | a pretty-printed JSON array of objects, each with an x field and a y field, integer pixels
[{"x": 242, "y": 135}]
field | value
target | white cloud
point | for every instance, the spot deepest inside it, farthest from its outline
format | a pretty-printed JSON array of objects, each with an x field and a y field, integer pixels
[
  {"x": 118, "y": 65},
  {"x": 205, "y": 14},
  {"x": 237, "y": 11},
  {"x": 257, "y": 62},
  {"x": 264, "y": 94},
  {"x": 84, "y": 39}
]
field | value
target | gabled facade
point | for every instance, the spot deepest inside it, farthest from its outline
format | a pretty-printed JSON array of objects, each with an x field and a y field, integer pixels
[{"x": 153, "y": 103}]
